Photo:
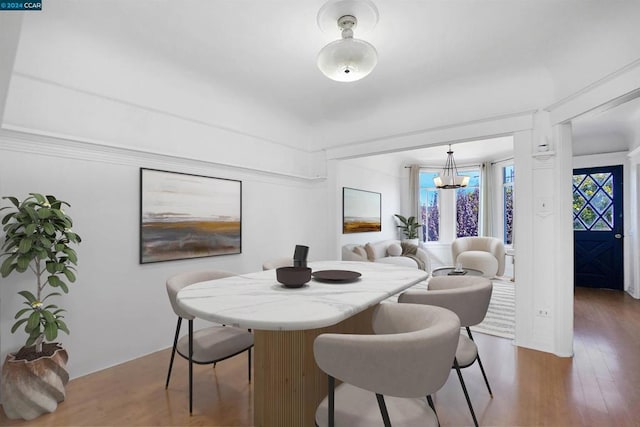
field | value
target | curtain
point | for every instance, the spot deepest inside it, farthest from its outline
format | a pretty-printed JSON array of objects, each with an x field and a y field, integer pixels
[
  {"x": 488, "y": 196},
  {"x": 414, "y": 192}
]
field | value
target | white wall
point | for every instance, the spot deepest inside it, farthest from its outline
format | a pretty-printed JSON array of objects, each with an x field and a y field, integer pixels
[
  {"x": 634, "y": 207},
  {"x": 10, "y": 24},
  {"x": 82, "y": 115},
  {"x": 69, "y": 82},
  {"x": 58, "y": 50},
  {"x": 118, "y": 309},
  {"x": 371, "y": 174}
]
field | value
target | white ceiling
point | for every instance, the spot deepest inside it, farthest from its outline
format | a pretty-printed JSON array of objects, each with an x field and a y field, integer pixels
[
  {"x": 607, "y": 130},
  {"x": 266, "y": 50}
]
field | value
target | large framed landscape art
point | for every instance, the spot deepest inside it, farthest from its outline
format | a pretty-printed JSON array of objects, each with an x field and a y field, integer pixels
[
  {"x": 188, "y": 216},
  {"x": 361, "y": 211}
]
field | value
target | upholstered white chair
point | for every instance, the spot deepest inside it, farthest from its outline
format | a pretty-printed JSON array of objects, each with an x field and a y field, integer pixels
[
  {"x": 469, "y": 298},
  {"x": 300, "y": 254},
  {"x": 480, "y": 253},
  {"x": 209, "y": 345},
  {"x": 272, "y": 264},
  {"x": 386, "y": 376}
]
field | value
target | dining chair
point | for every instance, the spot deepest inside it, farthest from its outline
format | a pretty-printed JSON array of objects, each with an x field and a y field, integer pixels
[
  {"x": 468, "y": 297},
  {"x": 209, "y": 345},
  {"x": 385, "y": 376},
  {"x": 272, "y": 264}
]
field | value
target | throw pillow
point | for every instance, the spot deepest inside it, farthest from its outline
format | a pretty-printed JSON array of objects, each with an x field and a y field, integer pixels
[
  {"x": 359, "y": 250},
  {"x": 394, "y": 249},
  {"x": 371, "y": 253},
  {"x": 408, "y": 248},
  {"x": 380, "y": 249}
]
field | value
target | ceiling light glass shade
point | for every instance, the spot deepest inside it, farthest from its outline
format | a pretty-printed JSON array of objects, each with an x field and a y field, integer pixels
[
  {"x": 449, "y": 177},
  {"x": 448, "y": 181},
  {"x": 347, "y": 60}
]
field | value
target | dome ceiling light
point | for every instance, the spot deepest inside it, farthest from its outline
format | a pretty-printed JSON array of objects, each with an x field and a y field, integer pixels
[{"x": 347, "y": 59}]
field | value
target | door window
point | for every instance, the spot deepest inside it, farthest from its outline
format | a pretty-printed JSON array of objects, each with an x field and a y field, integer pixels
[{"x": 593, "y": 202}]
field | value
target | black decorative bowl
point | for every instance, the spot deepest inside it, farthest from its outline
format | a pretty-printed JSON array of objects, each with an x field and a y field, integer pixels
[{"x": 293, "y": 277}]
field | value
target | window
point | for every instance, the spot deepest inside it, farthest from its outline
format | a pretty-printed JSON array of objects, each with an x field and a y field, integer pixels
[
  {"x": 508, "y": 175},
  {"x": 593, "y": 202},
  {"x": 461, "y": 206},
  {"x": 468, "y": 205},
  {"x": 449, "y": 214},
  {"x": 429, "y": 208}
]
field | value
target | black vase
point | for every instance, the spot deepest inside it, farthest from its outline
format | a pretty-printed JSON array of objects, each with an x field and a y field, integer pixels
[{"x": 300, "y": 256}]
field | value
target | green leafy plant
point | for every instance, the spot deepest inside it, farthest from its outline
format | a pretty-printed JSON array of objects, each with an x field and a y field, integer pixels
[
  {"x": 409, "y": 226},
  {"x": 38, "y": 237}
]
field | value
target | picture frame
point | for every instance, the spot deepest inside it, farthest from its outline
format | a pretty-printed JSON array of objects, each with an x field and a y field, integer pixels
[
  {"x": 361, "y": 211},
  {"x": 184, "y": 216}
]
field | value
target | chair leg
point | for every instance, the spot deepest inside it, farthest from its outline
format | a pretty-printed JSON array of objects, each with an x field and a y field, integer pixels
[
  {"x": 249, "y": 357},
  {"x": 331, "y": 395},
  {"x": 464, "y": 389},
  {"x": 173, "y": 352},
  {"x": 486, "y": 380},
  {"x": 190, "y": 366},
  {"x": 383, "y": 410},
  {"x": 433, "y": 408}
]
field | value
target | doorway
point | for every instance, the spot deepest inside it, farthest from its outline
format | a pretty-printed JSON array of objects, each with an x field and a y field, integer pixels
[{"x": 598, "y": 227}]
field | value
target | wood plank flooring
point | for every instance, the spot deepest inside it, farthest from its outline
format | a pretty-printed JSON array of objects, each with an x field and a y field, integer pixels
[{"x": 599, "y": 386}]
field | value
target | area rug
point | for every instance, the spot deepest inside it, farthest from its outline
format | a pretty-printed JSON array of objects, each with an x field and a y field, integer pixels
[{"x": 501, "y": 315}]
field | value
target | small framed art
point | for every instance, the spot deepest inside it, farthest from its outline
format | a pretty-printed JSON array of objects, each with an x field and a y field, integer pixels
[{"x": 361, "y": 211}]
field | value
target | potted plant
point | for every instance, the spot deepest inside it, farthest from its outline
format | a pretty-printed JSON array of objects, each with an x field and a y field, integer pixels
[
  {"x": 409, "y": 227},
  {"x": 38, "y": 238}
]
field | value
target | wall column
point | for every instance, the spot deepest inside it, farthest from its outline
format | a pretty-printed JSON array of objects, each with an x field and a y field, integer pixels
[
  {"x": 544, "y": 238},
  {"x": 563, "y": 243}
]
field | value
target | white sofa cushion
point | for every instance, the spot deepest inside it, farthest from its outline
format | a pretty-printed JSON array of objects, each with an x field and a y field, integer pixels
[
  {"x": 348, "y": 253},
  {"x": 360, "y": 251},
  {"x": 376, "y": 250},
  {"x": 394, "y": 249},
  {"x": 479, "y": 260},
  {"x": 398, "y": 260},
  {"x": 379, "y": 252}
]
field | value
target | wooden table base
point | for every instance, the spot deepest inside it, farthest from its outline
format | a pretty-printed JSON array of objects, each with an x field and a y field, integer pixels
[{"x": 288, "y": 385}]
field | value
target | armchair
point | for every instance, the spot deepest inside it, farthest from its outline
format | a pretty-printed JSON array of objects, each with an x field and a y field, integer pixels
[{"x": 481, "y": 253}]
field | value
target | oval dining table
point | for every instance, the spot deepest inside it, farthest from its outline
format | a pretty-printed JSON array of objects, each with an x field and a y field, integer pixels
[{"x": 288, "y": 385}]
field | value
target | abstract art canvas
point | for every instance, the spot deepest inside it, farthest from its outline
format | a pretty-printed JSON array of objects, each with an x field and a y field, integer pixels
[
  {"x": 361, "y": 211},
  {"x": 188, "y": 216}
]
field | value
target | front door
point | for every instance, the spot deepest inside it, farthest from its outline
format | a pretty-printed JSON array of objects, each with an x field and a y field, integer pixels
[{"x": 597, "y": 227}]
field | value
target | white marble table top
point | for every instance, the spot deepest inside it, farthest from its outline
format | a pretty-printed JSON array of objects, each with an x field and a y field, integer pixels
[{"x": 258, "y": 301}]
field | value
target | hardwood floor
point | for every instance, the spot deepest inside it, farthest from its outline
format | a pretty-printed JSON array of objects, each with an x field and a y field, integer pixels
[{"x": 599, "y": 386}]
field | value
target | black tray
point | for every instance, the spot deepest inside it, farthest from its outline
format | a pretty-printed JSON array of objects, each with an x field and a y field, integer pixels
[
  {"x": 457, "y": 273},
  {"x": 336, "y": 276}
]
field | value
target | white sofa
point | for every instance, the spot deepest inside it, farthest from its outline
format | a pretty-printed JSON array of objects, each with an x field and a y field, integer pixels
[{"x": 385, "y": 251}]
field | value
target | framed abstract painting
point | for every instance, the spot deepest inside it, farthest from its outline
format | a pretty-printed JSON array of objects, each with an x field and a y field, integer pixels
[
  {"x": 361, "y": 211},
  {"x": 188, "y": 216}
]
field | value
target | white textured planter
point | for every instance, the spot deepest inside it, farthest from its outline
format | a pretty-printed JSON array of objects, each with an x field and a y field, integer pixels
[{"x": 32, "y": 388}]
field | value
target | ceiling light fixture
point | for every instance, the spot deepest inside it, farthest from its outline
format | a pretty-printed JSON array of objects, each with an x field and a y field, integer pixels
[
  {"x": 449, "y": 178},
  {"x": 347, "y": 59}
]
